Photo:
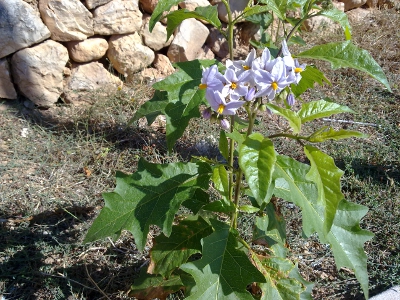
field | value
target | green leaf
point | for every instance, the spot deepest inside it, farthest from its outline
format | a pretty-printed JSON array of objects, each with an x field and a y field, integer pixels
[
  {"x": 277, "y": 6},
  {"x": 254, "y": 10},
  {"x": 257, "y": 160},
  {"x": 248, "y": 209},
  {"x": 270, "y": 228},
  {"x": 170, "y": 252},
  {"x": 220, "y": 179},
  {"x": 223, "y": 145},
  {"x": 291, "y": 116},
  {"x": 347, "y": 55},
  {"x": 340, "y": 17},
  {"x": 309, "y": 77},
  {"x": 152, "y": 108},
  {"x": 184, "y": 97},
  {"x": 162, "y": 6},
  {"x": 150, "y": 196},
  {"x": 326, "y": 176},
  {"x": 277, "y": 270},
  {"x": 149, "y": 286},
  {"x": 320, "y": 109},
  {"x": 197, "y": 201},
  {"x": 206, "y": 13},
  {"x": 224, "y": 271},
  {"x": 328, "y": 133},
  {"x": 345, "y": 237},
  {"x": 306, "y": 294},
  {"x": 236, "y": 136},
  {"x": 223, "y": 206}
]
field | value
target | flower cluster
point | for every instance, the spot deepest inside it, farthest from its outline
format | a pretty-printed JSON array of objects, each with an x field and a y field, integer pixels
[{"x": 246, "y": 80}]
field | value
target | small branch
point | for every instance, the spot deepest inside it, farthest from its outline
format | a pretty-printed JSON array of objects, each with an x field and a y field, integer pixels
[
  {"x": 69, "y": 279},
  {"x": 350, "y": 122}
]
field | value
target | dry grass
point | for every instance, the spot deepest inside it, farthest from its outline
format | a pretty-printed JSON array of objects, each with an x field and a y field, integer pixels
[{"x": 55, "y": 164}]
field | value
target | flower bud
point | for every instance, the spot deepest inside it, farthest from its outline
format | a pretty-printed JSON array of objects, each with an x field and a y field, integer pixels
[
  {"x": 290, "y": 99},
  {"x": 262, "y": 107},
  {"x": 250, "y": 94},
  {"x": 225, "y": 124},
  {"x": 207, "y": 114}
]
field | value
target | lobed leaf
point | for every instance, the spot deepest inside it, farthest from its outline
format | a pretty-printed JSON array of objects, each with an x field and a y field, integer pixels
[
  {"x": 150, "y": 196},
  {"x": 288, "y": 114},
  {"x": 277, "y": 6},
  {"x": 319, "y": 109},
  {"x": 340, "y": 17},
  {"x": 257, "y": 160},
  {"x": 347, "y": 55},
  {"x": 161, "y": 7},
  {"x": 309, "y": 77},
  {"x": 345, "y": 237},
  {"x": 170, "y": 252},
  {"x": 149, "y": 286},
  {"x": 152, "y": 108},
  {"x": 326, "y": 176},
  {"x": 205, "y": 13},
  {"x": 224, "y": 271},
  {"x": 328, "y": 133}
]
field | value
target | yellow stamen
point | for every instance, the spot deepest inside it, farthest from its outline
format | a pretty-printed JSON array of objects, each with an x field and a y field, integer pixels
[
  {"x": 246, "y": 68},
  {"x": 274, "y": 85},
  {"x": 220, "y": 109},
  {"x": 202, "y": 86},
  {"x": 298, "y": 70},
  {"x": 233, "y": 85}
]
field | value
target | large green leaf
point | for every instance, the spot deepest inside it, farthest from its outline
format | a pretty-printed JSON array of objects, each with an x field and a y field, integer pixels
[
  {"x": 277, "y": 270},
  {"x": 257, "y": 160},
  {"x": 149, "y": 286},
  {"x": 184, "y": 97},
  {"x": 340, "y": 17},
  {"x": 326, "y": 176},
  {"x": 150, "y": 196},
  {"x": 277, "y": 6},
  {"x": 347, "y": 55},
  {"x": 328, "y": 133},
  {"x": 170, "y": 252},
  {"x": 270, "y": 228},
  {"x": 290, "y": 115},
  {"x": 206, "y": 13},
  {"x": 254, "y": 10},
  {"x": 224, "y": 271},
  {"x": 319, "y": 109},
  {"x": 162, "y": 6},
  {"x": 309, "y": 77},
  {"x": 345, "y": 237},
  {"x": 152, "y": 108}
]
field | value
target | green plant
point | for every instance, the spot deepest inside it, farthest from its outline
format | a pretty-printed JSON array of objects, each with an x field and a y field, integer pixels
[{"x": 250, "y": 175}]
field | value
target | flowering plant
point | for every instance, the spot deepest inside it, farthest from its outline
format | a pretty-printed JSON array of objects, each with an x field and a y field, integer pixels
[{"x": 203, "y": 253}]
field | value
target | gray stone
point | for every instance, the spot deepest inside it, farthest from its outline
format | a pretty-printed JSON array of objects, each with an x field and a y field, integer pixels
[
  {"x": 7, "y": 89},
  {"x": 20, "y": 27},
  {"x": 38, "y": 72}
]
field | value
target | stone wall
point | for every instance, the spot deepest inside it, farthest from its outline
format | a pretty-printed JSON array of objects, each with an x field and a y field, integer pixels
[{"x": 52, "y": 49}]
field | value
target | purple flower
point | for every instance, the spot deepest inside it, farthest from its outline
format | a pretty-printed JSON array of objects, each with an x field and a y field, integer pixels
[
  {"x": 235, "y": 85},
  {"x": 271, "y": 83},
  {"x": 298, "y": 68},
  {"x": 264, "y": 62},
  {"x": 218, "y": 103},
  {"x": 250, "y": 94},
  {"x": 245, "y": 65},
  {"x": 287, "y": 56},
  {"x": 211, "y": 79}
]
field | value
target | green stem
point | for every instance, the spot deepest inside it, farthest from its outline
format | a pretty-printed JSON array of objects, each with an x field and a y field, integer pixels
[{"x": 231, "y": 25}]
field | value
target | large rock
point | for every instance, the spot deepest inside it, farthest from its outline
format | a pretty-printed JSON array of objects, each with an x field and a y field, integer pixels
[
  {"x": 350, "y": 4},
  {"x": 358, "y": 15},
  {"x": 157, "y": 39},
  {"x": 236, "y": 7},
  {"x": 323, "y": 23},
  {"x": 7, "y": 89},
  {"x": 117, "y": 17},
  {"x": 128, "y": 55},
  {"x": 189, "y": 39},
  {"x": 192, "y": 4},
  {"x": 87, "y": 81},
  {"x": 20, "y": 27},
  {"x": 148, "y": 5},
  {"x": 94, "y": 3},
  {"x": 217, "y": 43},
  {"x": 38, "y": 72},
  {"x": 67, "y": 20},
  {"x": 87, "y": 50}
]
